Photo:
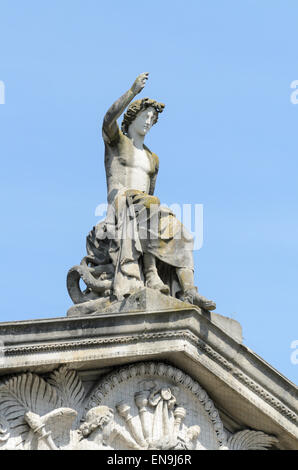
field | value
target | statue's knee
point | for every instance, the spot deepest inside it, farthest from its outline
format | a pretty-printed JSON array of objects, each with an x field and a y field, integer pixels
[
  {"x": 151, "y": 201},
  {"x": 133, "y": 192}
]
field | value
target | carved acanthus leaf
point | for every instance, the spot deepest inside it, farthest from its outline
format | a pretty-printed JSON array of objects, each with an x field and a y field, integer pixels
[
  {"x": 251, "y": 440},
  {"x": 69, "y": 388},
  {"x": 22, "y": 393}
]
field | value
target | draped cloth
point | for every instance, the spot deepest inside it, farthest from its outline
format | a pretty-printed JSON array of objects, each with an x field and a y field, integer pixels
[{"x": 141, "y": 225}]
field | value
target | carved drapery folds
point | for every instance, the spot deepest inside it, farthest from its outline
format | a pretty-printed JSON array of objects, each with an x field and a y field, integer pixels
[{"x": 142, "y": 406}]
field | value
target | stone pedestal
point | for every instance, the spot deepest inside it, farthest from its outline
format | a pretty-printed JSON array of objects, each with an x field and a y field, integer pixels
[
  {"x": 173, "y": 378},
  {"x": 151, "y": 301}
]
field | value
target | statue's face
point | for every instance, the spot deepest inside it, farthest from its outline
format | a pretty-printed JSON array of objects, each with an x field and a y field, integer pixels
[{"x": 143, "y": 122}]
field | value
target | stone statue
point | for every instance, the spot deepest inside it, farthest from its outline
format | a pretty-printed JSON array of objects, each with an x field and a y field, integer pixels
[{"x": 140, "y": 243}]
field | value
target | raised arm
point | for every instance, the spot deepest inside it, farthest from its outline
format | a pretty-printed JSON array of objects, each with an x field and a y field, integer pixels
[{"x": 110, "y": 127}]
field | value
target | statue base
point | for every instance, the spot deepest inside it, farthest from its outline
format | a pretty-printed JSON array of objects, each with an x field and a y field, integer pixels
[{"x": 151, "y": 300}]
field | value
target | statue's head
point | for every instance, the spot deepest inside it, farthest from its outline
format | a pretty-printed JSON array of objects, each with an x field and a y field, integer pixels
[
  {"x": 141, "y": 115},
  {"x": 96, "y": 418}
]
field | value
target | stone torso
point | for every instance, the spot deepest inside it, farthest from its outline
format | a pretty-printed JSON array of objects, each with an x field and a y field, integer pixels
[
  {"x": 128, "y": 167},
  {"x": 138, "y": 171}
]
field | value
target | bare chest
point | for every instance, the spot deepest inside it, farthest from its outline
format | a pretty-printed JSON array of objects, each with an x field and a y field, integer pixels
[{"x": 139, "y": 160}]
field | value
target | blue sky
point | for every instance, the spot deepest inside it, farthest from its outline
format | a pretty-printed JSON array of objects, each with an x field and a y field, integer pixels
[{"x": 227, "y": 139}]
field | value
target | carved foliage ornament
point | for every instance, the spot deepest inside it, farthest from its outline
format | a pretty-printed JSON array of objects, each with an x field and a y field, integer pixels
[
  {"x": 143, "y": 406},
  {"x": 28, "y": 402}
]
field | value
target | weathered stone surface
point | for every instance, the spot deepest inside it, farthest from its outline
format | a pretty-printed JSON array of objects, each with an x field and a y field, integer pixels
[
  {"x": 140, "y": 243},
  {"x": 140, "y": 362},
  {"x": 144, "y": 300},
  {"x": 245, "y": 390},
  {"x": 150, "y": 300},
  {"x": 144, "y": 406}
]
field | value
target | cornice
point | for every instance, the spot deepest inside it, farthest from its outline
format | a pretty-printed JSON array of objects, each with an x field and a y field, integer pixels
[{"x": 210, "y": 352}]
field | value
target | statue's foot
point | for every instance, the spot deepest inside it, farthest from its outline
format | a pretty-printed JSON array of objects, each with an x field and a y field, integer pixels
[
  {"x": 154, "y": 282},
  {"x": 193, "y": 297}
]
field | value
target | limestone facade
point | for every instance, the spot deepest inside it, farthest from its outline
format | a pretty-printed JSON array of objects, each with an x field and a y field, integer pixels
[{"x": 172, "y": 379}]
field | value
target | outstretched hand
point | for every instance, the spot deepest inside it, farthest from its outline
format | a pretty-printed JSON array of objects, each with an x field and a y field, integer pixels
[{"x": 139, "y": 83}]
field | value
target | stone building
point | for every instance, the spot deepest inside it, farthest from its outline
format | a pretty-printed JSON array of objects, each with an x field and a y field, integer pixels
[{"x": 172, "y": 378}]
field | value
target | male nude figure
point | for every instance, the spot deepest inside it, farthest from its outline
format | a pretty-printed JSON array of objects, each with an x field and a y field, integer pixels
[{"x": 131, "y": 170}]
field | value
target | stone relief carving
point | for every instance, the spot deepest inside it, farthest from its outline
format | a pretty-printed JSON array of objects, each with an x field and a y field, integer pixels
[
  {"x": 251, "y": 440},
  {"x": 140, "y": 243},
  {"x": 4, "y": 429},
  {"x": 168, "y": 397},
  {"x": 129, "y": 339},
  {"x": 142, "y": 406}
]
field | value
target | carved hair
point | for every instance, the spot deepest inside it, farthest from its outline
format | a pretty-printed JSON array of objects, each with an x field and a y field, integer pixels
[
  {"x": 97, "y": 417},
  {"x": 136, "y": 107}
]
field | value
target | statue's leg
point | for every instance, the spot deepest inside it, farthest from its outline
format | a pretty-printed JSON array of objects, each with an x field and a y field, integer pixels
[
  {"x": 153, "y": 280},
  {"x": 190, "y": 292}
]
